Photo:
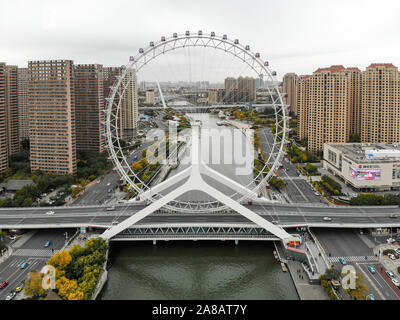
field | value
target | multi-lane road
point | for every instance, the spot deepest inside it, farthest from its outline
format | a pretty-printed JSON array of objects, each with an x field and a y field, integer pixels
[
  {"x": 353, "y": 247},
  {"x": 30, "y": 248}
]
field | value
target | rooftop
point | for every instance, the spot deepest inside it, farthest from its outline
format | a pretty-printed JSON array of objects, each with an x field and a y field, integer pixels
[{"x": 369, "y": 152}]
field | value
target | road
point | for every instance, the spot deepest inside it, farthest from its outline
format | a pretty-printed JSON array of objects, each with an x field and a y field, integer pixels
[
  {"x": 98, "y": 193},
  {"x": 349, "y": 245},
  {"x": 298, "y": 190},
  {"x": 31, "y": 251}
]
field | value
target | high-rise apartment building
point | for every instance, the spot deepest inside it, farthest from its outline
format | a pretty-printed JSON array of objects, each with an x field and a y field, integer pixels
[
  {"x": 12, "y": 109},
  {"x": 303, "y": 96},
  {"x": 89, "y": 104},
  {"x": 380, "y": 110},
  {"x": 290, "y": 87},
  {"x": 355, "y": 100},
  {"x": 231, "y": 90},
  {"x": 3, "y": 120},
  {"x": 129, "y": 109},
  {"x": 52, "y": 116},
  {"x": 23, "y": 106},
  {"x": 247, "y": 89},
  {"x": 327, "y": 107},
  {"x": 150, "y": 99}
]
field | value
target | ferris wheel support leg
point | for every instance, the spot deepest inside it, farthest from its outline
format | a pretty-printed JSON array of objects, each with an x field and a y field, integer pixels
[
  {"x": 165, "y": 184},
  {"x": 109, "y": 233},
  {"x": 232, "y": 184}
]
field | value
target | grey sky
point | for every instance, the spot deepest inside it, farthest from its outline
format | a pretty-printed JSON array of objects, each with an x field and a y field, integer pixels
[{"x": 295, "y": 36}]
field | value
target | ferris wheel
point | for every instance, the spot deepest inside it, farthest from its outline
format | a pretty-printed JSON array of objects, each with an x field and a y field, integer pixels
[{"x": 166, "y": 45}]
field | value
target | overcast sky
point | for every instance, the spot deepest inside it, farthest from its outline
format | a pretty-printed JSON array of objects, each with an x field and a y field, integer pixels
[{"x": 294, "y": 35}]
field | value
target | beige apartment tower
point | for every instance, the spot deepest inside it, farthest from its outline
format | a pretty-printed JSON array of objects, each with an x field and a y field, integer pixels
[
  {"x": 150, "y": 99},
  {"x": 303, "y": 96},
  {"x": 290, "y": 87},
  {"x": 129, "y": 109},
  {"x": 380, "y": 116},
  {"x": 3, "y": 120},
  {"x": 52, "y": 116},
  {"x": 324, "y": 115},
  {"x": 23, "y": 106},
  {"x": 12, "y": 109},
  {"x": 89, "y": 104}
]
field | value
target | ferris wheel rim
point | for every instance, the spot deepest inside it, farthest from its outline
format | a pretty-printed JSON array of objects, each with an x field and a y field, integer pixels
[{"x": 221, "y": 41}]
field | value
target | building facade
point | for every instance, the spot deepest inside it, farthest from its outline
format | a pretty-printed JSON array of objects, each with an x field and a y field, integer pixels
[
  {"x": 12, "y": 109},
  {"x": 89, "y": 104},
  {"x": 23, "y": 106},
  {"x": 364, "y": 166},
  {"x": 3, "y": 120},
  {"x": 380, "y": 115},
  {"x": 129, "y": 106},
  {"x": 290, "y": 87},
  {"x": 150, "y": 99},
  {"x": 52, "y": 116}
]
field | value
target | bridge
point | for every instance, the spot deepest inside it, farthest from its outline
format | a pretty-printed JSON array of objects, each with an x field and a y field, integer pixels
[
  {"x": 227, "y": 225},
  {"x": 201, "y": 108}
]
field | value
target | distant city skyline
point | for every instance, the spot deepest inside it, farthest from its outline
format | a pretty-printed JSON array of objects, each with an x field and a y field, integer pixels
[{"x": 294, "y": 36}]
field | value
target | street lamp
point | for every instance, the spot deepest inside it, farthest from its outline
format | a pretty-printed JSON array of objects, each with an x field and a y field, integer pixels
[{"x": 66, "y": 237}]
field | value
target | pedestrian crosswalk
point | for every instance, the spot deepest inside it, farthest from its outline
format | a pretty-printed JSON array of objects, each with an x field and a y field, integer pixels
[
  {"x": 34, "y": 253},
  {"x": 353, "y": 259}
]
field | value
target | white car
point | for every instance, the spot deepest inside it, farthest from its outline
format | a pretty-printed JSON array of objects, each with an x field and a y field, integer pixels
[
  {"x": 397, "y": 250},
  {"x": 108, "y": 184},
  {"x": 390, "y": 240},
  {"x": 50, "y": 213},
  {"x": 327, "y": 219},
  {"x": 396, "y": 282},
  {"x": 391, "y": 256},
  {"x": 11, "y": 296}
]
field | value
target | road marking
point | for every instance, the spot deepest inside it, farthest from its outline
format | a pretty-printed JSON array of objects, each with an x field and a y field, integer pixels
[{"x": 370, "y": 281}]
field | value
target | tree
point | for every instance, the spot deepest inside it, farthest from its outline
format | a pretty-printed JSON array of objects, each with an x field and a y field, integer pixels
[
  {"x": 361, "y": 288},
  {"x": 66, "y": 287},
  {"x": 33, "y": 287},
  {"x": 60, "y": 260}
]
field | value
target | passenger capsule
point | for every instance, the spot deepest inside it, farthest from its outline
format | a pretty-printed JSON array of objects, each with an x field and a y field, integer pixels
[
  {"x": 274, "y": 73},
  {"x": 163, "y": 39},
  {"x": 131, "y": 58},
  {"x": 247, "y": 47},
  {"x": 175, "y": 35},
  {"x": 212, "y": 34},
  {"x": 257, "y": 55},
  {"x": 236, "y": 41},
  {"x": 266, "y": 63},
  {"x": 141, "y": 50},
  {"x": 151, "y": 44},
  {"x": 187, "y": 33},
  {"x": 200, "y": 33},
  {"x": 225, "y": 37}
]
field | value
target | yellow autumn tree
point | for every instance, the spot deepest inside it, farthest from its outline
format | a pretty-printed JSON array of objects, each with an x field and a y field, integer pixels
[
  {"x": 77, "y": 295},
  {"x": 33, "y": 287},
  {"x": 60, "y": 261},
  {"x": 66, "y": 287}
]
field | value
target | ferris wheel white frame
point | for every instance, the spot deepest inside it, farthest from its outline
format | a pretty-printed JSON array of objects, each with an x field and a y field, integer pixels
[{"x": 177, "y": 41}]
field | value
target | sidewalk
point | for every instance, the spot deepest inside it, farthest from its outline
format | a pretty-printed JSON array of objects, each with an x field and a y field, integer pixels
[{"x": 305, "y": 290}]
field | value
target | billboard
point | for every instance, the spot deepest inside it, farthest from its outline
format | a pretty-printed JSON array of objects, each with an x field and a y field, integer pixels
[{"x": 365, "y": 174}]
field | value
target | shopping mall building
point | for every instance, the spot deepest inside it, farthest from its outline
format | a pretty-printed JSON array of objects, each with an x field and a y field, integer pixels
[{"x": 364, "y": 166}]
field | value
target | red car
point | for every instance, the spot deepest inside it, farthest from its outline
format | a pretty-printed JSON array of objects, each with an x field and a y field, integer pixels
[{"x": 3, "y": 284}]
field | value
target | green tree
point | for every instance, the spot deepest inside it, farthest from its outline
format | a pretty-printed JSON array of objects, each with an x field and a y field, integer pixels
[{"x": 33, "y": 286}]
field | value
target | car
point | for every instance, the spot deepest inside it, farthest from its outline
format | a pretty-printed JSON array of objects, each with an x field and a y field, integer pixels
[
  {"x": 397, "y": 250},
  {"x": 390, "y": 274},
  {"x": 108, "y": 184},
  {"x": 3, "y": 284},
  {"x": 98, "y": 181},
  {"x": 275, "y": 222},
  {"x": 11, "y": 295},
  {"x": 109, "y": 190},
  {"x": 18, "y": 289},
  {"x": 327, "y": 219},
  {"x": 371, "y": 269},
  {"x": 342, "y": 261},
  {"x": 47, "y": 244},
  {"x": 390, "y": 240},
  {"x": 370, "y": 297},
  {"x": 393, "y": 215},
  {"x": 391, "y": 256},
  {"x": 24, "y": 265},
  {"x": 50, "y": 213},
  {"x": 115, "y": 222},
  {"x": 111, "y": 208},
  {"x": 396, "y": 282},
  {"x": 12, "y": 237}
]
